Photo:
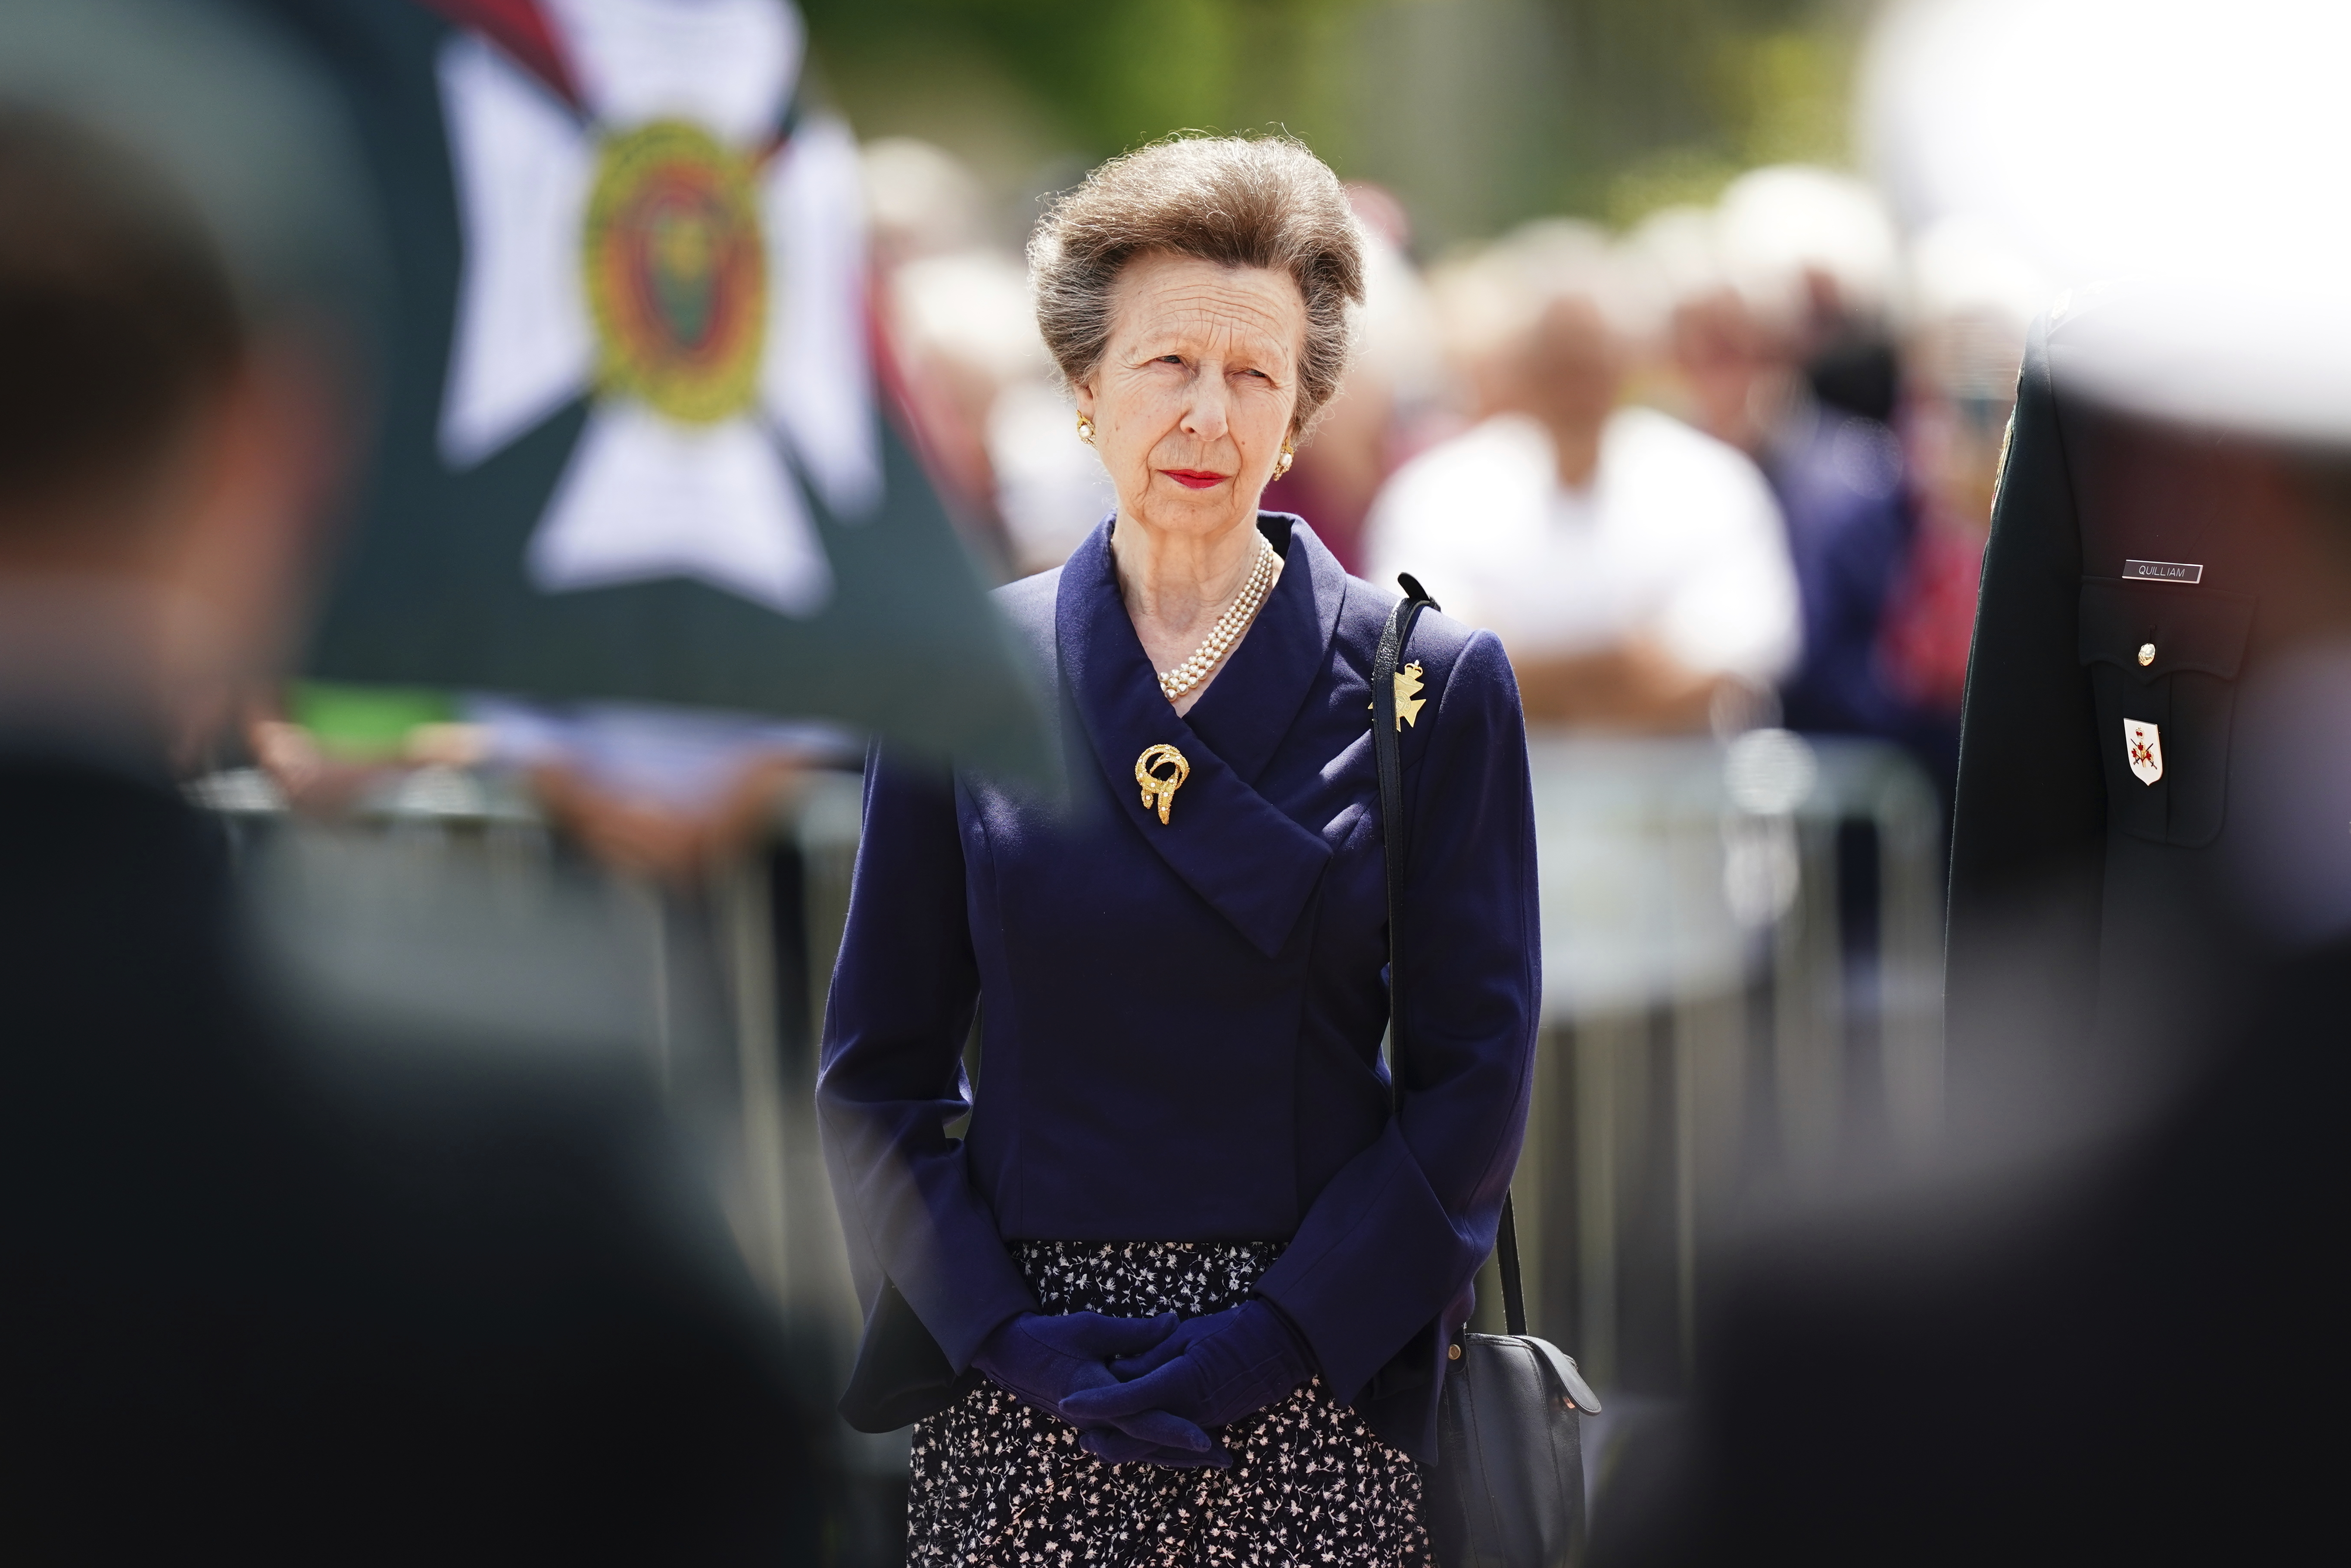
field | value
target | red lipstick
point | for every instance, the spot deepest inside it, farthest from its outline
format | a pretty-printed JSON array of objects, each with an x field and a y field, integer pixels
[{"x": 1194, "y": 478}]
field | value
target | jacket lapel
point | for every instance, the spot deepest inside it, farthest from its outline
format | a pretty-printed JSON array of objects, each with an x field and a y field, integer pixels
[
  {"x": 1256, "y": 699},
  {"x": 1254, "y": 865}
]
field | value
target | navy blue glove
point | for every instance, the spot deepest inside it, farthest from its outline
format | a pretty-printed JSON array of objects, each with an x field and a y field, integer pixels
[
  {"x": 1210, "y": 1372},
  {"x": 1050, "y": 1359}
]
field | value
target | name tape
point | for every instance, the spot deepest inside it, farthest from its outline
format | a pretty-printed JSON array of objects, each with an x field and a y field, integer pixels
[{"x": 2164, "y": 571}]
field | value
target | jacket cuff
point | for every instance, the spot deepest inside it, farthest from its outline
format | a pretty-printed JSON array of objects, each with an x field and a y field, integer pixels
[
  {"x": 1360, "y": 1286},
  {"x": 965, "y": 1295}
]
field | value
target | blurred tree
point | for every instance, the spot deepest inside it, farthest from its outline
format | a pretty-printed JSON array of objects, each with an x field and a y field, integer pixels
[{"x": 1477, "y": 112}]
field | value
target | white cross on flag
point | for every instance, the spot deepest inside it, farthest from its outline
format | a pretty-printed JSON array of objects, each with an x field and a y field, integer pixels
[{"x": 632, "y": 443}]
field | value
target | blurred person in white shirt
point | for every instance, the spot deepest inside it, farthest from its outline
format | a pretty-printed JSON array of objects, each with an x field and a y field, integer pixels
[{"x": 1635, "y": 568}]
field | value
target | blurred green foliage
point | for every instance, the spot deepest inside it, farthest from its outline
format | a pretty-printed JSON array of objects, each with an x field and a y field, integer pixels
[
  {"x": 1477, "y": 112},
  {"x": 365, "y": 724}
]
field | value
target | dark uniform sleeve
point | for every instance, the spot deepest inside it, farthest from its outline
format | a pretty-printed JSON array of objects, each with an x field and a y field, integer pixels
[
  {"x": 1394, "y": 1239},
  {"x": 891, "y": 1077},
  {"x": 2029, "y": 824}
]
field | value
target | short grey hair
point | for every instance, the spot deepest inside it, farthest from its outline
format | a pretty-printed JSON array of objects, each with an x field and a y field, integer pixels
[{"x": 1263, "y": 201}]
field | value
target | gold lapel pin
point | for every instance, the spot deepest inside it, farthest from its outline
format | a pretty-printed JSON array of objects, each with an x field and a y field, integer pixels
[
  {"x": 1160, "y": 788},
  {"x": 1408, "y": 697},
  {"x": 1409, "y": 701}
]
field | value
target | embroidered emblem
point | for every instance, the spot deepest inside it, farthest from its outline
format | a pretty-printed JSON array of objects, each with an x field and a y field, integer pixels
[
  {"x": 2143, "y": 744},
  {"x": 1408, "y": 695},
  {"x": 1159, "y": 788},
  {"x": 2165, "y": 571},
  {"x": 676, "y": 272}
]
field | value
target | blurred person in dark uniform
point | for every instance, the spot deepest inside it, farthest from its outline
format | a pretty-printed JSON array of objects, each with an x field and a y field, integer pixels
[
  {"x": 2108, "y": 1326},
  {"x": 2143, "y": 574},
  {"x": 373, "y": 1293},
  {"x": 2129, "y": 1350}
]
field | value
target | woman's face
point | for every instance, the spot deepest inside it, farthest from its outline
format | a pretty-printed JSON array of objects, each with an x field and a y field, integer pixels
[{"x": 1196, "y": 390}]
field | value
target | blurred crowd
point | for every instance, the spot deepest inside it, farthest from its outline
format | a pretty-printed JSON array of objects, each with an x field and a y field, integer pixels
[{"x": 1732, "y": 467}]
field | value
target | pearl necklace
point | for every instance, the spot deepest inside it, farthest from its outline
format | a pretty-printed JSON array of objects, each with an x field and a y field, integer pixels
[{"x": 1174, "y": 683}]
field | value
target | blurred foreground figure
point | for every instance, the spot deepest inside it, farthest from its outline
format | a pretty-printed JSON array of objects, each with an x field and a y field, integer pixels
[
  {"x": 2129, "y": 1352},
  {"x": 2145, "y": 819},
  {"x": 372, "y": 1294},
  {"x": 1632, "y": 566},
  {"x": 2110, "y": 1328}
]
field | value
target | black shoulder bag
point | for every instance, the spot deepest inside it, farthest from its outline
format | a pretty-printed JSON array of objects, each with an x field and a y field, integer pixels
[{"x": 1507, "y": 1490}]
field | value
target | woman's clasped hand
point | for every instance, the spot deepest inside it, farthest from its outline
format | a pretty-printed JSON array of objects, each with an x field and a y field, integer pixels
[
  {"x": 1050, "y": 1359},
  {"x": 1211, "y": 1371},
  {"x": 1149, "y": 1389}
]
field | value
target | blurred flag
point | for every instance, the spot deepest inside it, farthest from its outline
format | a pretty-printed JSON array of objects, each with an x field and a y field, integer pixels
[{"x": 631, "y": 446}]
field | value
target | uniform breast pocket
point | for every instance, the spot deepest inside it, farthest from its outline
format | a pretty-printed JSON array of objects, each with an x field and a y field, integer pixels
[{"x": 2163, "y": 661}]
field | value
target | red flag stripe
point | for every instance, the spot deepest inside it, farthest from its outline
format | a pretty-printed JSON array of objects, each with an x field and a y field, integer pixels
[{"x": 521, "y": 29}]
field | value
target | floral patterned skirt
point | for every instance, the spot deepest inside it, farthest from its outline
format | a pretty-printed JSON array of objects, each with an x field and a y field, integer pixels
[{"x": 996, "y": 1480}]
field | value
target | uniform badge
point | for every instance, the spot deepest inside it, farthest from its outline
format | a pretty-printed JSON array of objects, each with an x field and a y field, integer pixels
[{"x": 2143, "y": 744}]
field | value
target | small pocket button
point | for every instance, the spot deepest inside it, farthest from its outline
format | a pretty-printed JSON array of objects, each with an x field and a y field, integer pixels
[{"x": 2146, "y": 654}]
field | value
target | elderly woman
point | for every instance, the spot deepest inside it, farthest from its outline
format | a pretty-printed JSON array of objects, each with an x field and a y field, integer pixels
[{"x": 1183, "y": 1291}]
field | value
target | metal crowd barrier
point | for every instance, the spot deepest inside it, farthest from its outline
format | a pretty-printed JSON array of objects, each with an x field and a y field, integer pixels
[
  {"x": 1742, "y": 968},
  {"x": 730, "y": 979},
  {"x": 1742, "y": 957},
  {"x": 1742, "y": 997}
]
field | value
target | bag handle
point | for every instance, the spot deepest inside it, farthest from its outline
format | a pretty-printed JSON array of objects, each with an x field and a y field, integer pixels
[{"x": 1387, "y": 751}]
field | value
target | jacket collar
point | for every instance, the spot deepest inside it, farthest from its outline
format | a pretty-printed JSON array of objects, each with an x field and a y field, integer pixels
[
  {"x": 1256, "y": 699},
  {"x": 1230, "y": 845}
]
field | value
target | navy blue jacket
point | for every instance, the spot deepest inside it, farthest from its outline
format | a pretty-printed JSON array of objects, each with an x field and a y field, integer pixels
[{"x": 1181, "y": 1023}]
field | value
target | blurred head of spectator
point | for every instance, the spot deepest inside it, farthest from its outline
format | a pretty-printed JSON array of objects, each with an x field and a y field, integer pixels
[
  {"x": 1968, "y": 304},
  {"x": 1778, "y": 295},
  {"x": 921, "y": 201},
  {"x": 962, "y": 331},
  {"x": 168, "y": 430},
  {"x": 1542, "y": 325},
  {"x": 1815, "y": 257},
  {"x": 955, "y": 311},
  {"x": 992, "y": 416},
  {"x": 1395, "y": 388},
  {"x": 1734, "y": 375}
]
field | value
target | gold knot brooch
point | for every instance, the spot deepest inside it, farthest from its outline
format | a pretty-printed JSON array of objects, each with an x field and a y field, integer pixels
[{"x": 1160, "y": 788}]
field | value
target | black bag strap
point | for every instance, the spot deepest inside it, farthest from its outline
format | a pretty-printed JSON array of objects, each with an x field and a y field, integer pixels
[{"x": 1387, "y": 751}]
